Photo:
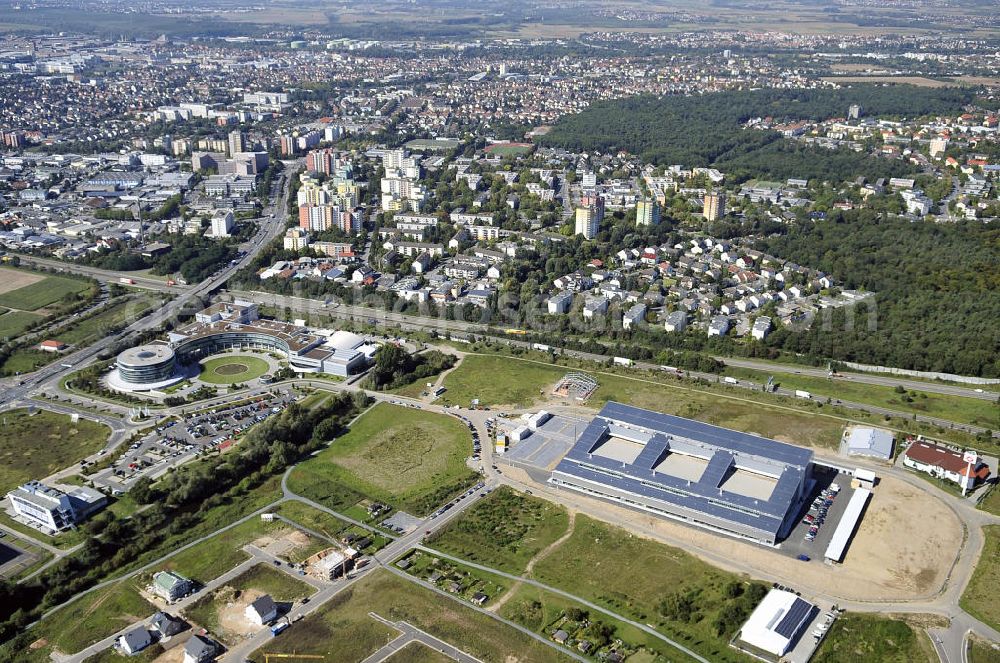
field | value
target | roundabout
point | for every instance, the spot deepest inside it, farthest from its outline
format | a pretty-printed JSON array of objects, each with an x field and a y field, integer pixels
[{"x": 230, "y": 370}]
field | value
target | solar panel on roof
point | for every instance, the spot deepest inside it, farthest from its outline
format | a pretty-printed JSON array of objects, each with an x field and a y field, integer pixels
[
  {"x": 724, "y": 437},
  {"x": 790, "y": 623}
]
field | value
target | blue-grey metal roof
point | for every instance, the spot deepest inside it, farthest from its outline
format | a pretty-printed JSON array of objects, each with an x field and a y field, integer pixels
[
  {"x": 726, "y": 438},
  {"x": 703, "y": 495}
]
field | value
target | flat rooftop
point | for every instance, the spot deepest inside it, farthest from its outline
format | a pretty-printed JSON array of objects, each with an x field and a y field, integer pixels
[
  {"x": 297, "y": 338},
  {"x": 664, "y": 459}
]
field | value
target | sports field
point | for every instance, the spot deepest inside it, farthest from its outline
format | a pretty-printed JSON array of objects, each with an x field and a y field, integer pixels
[
  {"x": 410, "y": 459},
  {"x": 27, "y": 291},
  {"x": 230, "y": 370},
  {"x": 509, "y": 149},
  {"x": 34, "y": 446}
]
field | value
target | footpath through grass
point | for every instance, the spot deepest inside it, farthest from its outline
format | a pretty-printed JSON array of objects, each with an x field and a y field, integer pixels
[
  {"x": 684, "y": 598},
  {"x": 863, "y": 637},
  {"x": 503, "y": 531},
  {"x": 89, "y": 620},
  {"x": 35, "y": 446},
  {"x": 980, "y": 596},
  {"x": 410, "y": 459}
]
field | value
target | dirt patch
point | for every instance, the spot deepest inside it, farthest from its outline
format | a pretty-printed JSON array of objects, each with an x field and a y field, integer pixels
[
  {"x": 14, "y": 279},
  {"x": 919, "y": 81},
  {"x": 232, "y": 612},
  {"x": 883, "y": 562},
  {"x": 172, "y": 655},
  {"x": 281, "y": 543}
]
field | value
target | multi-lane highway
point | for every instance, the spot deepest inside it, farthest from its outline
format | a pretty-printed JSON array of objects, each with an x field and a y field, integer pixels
[{"x": 189, "y": 298}]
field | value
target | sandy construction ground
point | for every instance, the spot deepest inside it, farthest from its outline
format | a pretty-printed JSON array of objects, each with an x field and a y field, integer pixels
[
  {"x": 232, "y": 614},
  {"x": 891, "y": 558},
  {"x": 13, "y": 279}
]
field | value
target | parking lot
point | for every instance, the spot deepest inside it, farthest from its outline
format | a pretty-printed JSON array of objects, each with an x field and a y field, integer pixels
[
  {"x": 824, "y": 516},
  {"x": 179, "y": 440}
]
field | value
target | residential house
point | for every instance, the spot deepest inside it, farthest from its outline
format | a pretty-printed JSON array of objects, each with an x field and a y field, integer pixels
[
  {"x": 262, "y": 611},
  {"x": 135, "y": 640},
  {"x": 171, "y": 586},
  {"x": 199, "y": 649}
]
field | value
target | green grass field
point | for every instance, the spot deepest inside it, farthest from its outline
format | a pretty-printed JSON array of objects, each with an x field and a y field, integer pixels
[
  {"x": 342, "y": 630},
  {"x": 979, "y": 598},
  {"x": 13, "y": 323},
  {"x": 410, "y": 459},
  {"x": 646, "y": 581},
  {"x": 416, "y": 652},
  {"x": 954, "y": 408},
  {"x": 991, "y": 503},
  {"x": 37, "y": 295},
  {"x": 117, "y": 315},
  {"x": 147, "y": 655},
  {"x": 330, "y": 526},
  {"x": 260, "y": 579},
  {"x": 539, "y": 610},
  {"x": 34, "y": 446},
  {"x": 499, "y": 381},
  {"x": 504, "y": 531},
  {"x": 983, "y": 652},
  {"x": 522, "y": 383},
  {"x": 232, "y": 370},
  {"x": 89, "y": 620},
  {"x": 80, "y": 333},
  {"x": 509, "y": 149},
  {"x": 862, "y": 637}
]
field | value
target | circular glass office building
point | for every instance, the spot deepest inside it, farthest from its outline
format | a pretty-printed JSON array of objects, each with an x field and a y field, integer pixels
[{"x": 146, "y": 364}]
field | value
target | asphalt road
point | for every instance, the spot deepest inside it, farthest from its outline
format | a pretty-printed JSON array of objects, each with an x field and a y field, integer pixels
[
  {"x": 31, "y": 383},
  {"x": 408, "y": 633}
]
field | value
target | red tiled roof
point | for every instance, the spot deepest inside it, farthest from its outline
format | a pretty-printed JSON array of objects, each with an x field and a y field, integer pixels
[{"x": 946, "y": 459}]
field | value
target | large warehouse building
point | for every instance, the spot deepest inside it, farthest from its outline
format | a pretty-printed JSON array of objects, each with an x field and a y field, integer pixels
[{"x": 731, "y": 482}]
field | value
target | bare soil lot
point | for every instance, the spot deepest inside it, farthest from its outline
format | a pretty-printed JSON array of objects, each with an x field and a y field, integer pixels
[
  {"x": 889, "y": 558},
  {"x": 14, "y": 279}
]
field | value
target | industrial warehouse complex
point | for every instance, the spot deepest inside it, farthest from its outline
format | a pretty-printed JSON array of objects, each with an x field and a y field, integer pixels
[{"x": 731, "y": 482}]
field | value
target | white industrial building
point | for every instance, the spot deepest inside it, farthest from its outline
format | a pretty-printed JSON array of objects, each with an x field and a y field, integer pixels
[
  {"x": 52, "y": 509},
  {"x": 777, "y": 622},
  {"x": 848, "y": 523},
  {"x": 870, "y": 442}
]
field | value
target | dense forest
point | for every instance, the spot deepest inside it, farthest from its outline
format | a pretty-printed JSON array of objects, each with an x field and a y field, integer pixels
[
  {"x": 708, "y": 130},
  {"x": 937, "y": 291}
]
